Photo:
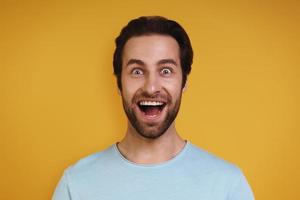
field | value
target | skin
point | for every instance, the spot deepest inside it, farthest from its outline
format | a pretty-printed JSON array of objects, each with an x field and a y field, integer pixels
[{"x": 151, "y": 70}]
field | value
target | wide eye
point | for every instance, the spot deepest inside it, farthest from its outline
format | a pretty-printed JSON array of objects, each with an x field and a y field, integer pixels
[
  {"x": 137, "y": 72},
  {"x": 166, "y": 71}
]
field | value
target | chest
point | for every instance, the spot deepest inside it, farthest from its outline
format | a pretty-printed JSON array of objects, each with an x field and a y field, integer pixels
[{"x": 155, "y": 186}]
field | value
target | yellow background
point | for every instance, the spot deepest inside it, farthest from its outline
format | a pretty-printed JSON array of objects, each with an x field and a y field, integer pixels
[{"x": 59, "y": 99}]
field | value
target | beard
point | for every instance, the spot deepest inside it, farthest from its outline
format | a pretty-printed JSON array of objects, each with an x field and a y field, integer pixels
[{"x": 155, "y": 130}]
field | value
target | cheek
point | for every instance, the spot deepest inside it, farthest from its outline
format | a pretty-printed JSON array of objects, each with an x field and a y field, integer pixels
[
  {"x": 129, "y": 87},
  {"x": 174, "y": 89},
  {"x": 174, "y": 83}
]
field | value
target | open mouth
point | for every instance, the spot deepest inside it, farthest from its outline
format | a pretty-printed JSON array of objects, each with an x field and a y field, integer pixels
[{"x": 151, "y": 108}]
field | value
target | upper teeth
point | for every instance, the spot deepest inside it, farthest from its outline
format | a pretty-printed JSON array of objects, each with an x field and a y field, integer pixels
[{"x": 151, "y": 103}]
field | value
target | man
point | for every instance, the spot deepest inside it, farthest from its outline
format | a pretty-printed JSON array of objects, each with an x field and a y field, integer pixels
[{"x": 152, "y": 60}]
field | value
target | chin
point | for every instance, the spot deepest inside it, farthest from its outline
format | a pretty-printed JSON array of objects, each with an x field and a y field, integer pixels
[{"x": 151, "y": 132}]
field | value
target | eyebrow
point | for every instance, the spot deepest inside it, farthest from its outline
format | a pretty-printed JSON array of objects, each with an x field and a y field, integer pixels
[
  {"x": 167, "y": 61},
  {"x": 135, "y": 61},
  {"x": 160, "y": 62}
]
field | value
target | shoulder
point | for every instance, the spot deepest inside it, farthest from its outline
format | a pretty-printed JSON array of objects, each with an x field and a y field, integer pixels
[
  {"x": 87, "y": 165},
  {"x": 85, "y": 173},
  {"x": 206, "y": 162},
  {"x": 226, "y": 176}
]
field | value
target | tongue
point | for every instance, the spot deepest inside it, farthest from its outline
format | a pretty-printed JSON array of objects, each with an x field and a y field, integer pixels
[{"x": 152, "y": 110}]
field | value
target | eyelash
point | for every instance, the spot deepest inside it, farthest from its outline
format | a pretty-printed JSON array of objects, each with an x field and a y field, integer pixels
[
  {"x": 136, "y": 70},
  {"x": 140, "y": 72},
  {"x": 170, "y": 71}
]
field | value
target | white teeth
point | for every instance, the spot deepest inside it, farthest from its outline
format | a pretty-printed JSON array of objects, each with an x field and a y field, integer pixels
[{"x": 151, "y": 103}]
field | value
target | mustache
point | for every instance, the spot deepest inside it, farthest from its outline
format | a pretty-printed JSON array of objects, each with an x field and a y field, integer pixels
[{"x": 142, "y": 95}]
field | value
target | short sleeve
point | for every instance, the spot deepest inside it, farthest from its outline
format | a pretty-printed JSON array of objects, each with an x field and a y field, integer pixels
[
  {"x": 62, "y": 191},
  {"x": 240, "y": 189}
]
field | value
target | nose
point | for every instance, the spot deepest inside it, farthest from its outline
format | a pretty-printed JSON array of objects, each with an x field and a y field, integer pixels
[{"x": 152, "y": 84}]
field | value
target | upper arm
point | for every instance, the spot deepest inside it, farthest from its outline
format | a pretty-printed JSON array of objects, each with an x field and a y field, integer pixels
[
  {"x": 240, "y": 189},
  {"x": 62, "y": 191}
]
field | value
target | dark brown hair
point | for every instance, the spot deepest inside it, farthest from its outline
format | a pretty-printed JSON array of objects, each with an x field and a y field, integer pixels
[{"x": 154, "y": 25}]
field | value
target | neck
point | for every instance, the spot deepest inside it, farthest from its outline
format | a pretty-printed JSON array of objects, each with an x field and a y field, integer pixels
[{"x": 142, "y": 150}]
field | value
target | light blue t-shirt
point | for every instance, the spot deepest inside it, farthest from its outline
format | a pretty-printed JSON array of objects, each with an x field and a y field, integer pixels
[{"x": 193, "y": 174}]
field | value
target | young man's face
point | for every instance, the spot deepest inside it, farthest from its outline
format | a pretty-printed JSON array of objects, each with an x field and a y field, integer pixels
[{"x": 151, "y": 83}]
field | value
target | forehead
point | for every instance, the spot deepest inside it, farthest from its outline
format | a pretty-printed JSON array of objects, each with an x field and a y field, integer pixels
[{"x": 151, "y": 48}]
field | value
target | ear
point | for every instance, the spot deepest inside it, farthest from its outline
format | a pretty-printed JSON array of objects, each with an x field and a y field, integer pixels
[{"x": 185, "y": 86}]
